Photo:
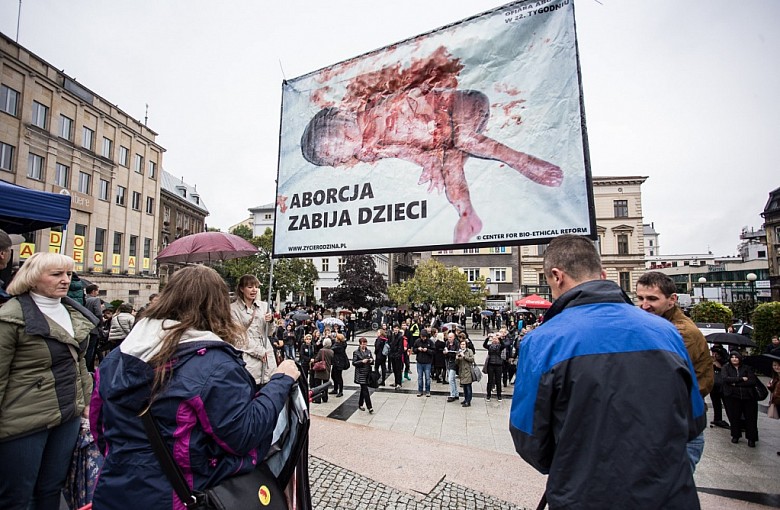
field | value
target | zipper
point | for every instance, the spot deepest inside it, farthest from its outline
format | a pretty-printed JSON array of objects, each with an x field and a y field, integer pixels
[{"x": 38, "y": 383}]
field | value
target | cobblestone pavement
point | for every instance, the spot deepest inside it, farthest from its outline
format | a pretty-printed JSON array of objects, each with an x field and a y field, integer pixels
[{"x": 337, "y": 488}]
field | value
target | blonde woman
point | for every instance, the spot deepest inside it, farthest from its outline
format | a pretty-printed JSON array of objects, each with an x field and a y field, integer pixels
[{"x": 256, "y": 319}]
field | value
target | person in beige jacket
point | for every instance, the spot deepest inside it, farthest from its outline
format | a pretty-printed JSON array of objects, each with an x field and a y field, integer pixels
[{"x": 256, "y": 319}]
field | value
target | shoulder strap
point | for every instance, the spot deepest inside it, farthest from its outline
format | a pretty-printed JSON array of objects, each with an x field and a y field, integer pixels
[{"x": 170, "y": 468}]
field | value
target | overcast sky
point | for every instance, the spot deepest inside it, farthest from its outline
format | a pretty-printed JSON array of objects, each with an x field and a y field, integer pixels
[{"x": 683, "y": 92}]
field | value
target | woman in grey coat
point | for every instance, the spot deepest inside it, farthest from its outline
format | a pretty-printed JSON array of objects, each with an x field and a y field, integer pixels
[{"x": 362, "y": 359}]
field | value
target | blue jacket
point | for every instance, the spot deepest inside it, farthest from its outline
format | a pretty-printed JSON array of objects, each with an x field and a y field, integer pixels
[
  {"x": 208, "y": 414},
  {"x": 605, "y": 402}
]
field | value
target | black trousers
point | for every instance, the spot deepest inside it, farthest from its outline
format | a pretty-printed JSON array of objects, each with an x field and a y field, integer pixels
[
  {"x": 735, "y": 409},
  {"x": 494, "y": 378},
  {"x": 398, "y": 366},
  {"x": 324, "y": 396},
  {"x": 380, "y": 362},
  {"x": 338, "y": 380},
  {"x": 365, "y": 396},
  {"x": 508, "y": 371},
  {"x": 717, "y": 404}
]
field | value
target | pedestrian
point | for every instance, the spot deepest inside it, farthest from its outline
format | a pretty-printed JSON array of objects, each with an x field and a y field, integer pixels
[
  {"x": 451, "y": 348},
  {"x": 44, "y": 382},
  {"x": 121, "y": 324},
  {"x": 289, "y": 341},
  {"x": 94, "y": 304},
  {"x": 465, "y": 360},
  {"x": 439, "y": 373},
  {"x": 495, "y": 365},
  {"x": 720, "y": 357},
  {"x": 256, "y": 320},
  {"x": 739, "y": 396},
  {"x": 305, "y": 355},
  {"x": 180, "y": 365},
  {"x": 322, "y": 376},
  {"x": 657, "y": 294},
  {"x": 340, "y": 363},
  {"x": 424, "y": 349},
  {"x": 774, "y": 389},
  {"x": 362, "y": 361},
  {"x": 609, "y": 396},
  {"x": 381, "y": 348},
  {"x": 397, "y": 347}
]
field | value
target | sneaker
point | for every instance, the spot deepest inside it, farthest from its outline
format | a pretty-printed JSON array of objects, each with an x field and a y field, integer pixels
[
  {"x": 419, "y": 394},
  {"x": 499, "y": 399},
  {"x": 451, "y": 399},
  {"x": 397, "y": 387},
  {"x": 466, "y": 404},
  {"x": 370, "y": 411},
  {"x": 427, "y": 394},
  {"x": 361, "y": 408},
  {"x": 487, "y": 399}
]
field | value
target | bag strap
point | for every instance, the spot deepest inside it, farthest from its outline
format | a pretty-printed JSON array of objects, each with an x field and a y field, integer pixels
[{"x": 170, "y": 468}]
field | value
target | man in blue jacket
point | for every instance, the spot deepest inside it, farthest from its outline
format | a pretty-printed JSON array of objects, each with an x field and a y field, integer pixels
[{"x": 608, "y": 399}]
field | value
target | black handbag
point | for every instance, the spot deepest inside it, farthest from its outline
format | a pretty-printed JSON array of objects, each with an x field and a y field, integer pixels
[
  {"x": 257, "y": 489},
  {"x": 373, "y": 379},
  {"x": 761, "y": 391}
]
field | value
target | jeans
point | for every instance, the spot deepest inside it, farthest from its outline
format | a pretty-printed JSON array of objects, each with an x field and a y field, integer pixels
[
  {"x": 423, "y": 372},
  {"x": 33, "y": 469},
  {"x": 453, "y": 380},
  {"x": 289, "y": 351},
  {"x": 467, "y": 393},
  {"x": 695, "y": 448}
]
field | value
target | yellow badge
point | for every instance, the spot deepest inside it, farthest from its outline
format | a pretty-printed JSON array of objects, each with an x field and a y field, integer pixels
[{"x": 264, "y": 495}]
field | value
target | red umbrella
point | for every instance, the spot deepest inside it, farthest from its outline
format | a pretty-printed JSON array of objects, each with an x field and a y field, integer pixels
[
  {"x": 206, "y": 247},
  {"x": 533, "y": 301}
]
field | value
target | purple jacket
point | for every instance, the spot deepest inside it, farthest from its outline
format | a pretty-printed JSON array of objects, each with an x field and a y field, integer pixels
[{"x": 213, "y": 423}]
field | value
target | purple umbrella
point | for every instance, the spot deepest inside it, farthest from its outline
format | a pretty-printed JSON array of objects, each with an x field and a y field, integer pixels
[{"x": 206, "y": 247}]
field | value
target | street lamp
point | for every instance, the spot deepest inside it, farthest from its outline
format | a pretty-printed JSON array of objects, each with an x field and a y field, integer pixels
[
  {"x": 702, "y": 281},
  {"x": 751, "y": 277}
]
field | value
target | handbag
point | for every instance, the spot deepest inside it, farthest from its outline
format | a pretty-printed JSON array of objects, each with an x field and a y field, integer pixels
[
  {"x": 373, "y": 379},
  {"x": 320, "y": 366},
  {"x": 257, "y": 489},
  {"x": 386, "y": 349},
  {"x": 761, "y": 391},
  {"x": 485, "y": 366},
  {"x": 476, "y": 373},
  {"x": 772, "y": 412}
]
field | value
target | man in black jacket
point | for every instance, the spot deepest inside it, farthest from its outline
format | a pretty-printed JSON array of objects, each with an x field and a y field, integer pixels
[{"x": 423, "y": 348}]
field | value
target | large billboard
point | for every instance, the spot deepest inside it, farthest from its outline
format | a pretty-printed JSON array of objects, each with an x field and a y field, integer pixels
[{"x": 469, "y": 135}]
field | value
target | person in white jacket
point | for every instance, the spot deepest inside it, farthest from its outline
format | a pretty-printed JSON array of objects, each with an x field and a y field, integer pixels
[{"x": 256, "y": 319}]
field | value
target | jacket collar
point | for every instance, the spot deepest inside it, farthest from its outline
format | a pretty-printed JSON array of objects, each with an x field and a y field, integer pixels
[
  {"x": 588, "y": 293},
  {"x": 35, "y": 322}
]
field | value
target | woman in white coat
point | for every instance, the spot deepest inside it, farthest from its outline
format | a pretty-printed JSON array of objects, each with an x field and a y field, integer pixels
[{"x": 256, "y": 319}]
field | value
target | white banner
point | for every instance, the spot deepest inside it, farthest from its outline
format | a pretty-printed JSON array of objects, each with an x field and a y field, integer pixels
[{"x": 469, "y": 135}]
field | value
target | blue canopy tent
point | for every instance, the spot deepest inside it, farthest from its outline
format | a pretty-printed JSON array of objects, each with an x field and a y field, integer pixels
[{"x": 25, "y": 210}]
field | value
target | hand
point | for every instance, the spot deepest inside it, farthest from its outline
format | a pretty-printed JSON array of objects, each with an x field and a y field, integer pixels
[
  {"x": 366, "y": 360},
  {"x": 289, "y": 368},
  {"x": 269, "y": 317}
]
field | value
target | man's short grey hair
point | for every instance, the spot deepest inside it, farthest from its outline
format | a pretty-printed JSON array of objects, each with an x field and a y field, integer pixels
[
  {"x": 576, "y": 255},
  {"x": 5, "y": 241}
]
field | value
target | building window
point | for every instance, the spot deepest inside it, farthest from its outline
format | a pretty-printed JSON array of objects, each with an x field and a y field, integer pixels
[
  {"x": 761, "y": 254},
  {"x": 540, "y": 249},
  {"x": 267, "y": 216},
  {"x": 136, "y": 201},
  {"x": 652, "y": 253},
  {"x": 39, "y": 114},
  {"x": 133, "y": 248},
  {"x": 124, "y": 156},
  {"x": 149, "y": 205},
  {"x": 121, "y": 191},
  {"x": 139, "y": 164},
  {"x": 651, "y": 242},
  {"x": 88, "y": 139},
  {"x": 621, "y": 208},
  {"x": 498, "y": 274},
  {"x": 9, "y": 100},
  {"x": 152, "y": 170},
  {"x": 542, "y": 279},
  {"x": 147, "y": 247},
  {"x": 342, "y": 262},
  {"x": 166, "y": 214},
  {"x": 472, "y": 273},
  {"x": 81, "y": 230},
  {"x": 325, "y": 265},
  {"x": 469, "y": 251},
  {"x": 105, "y": 186},
  {"x": 100, "y": 239},
  {"x": 85, "y": 183},
  {"x": 35, "y": 167},
  {"x": 622, "y": 244},
  {"x": 61, "y": 175},
  {"x": 108, "y": 147},
  {"x": 117, "y": 243},
  {"x": 66, "y": 127},
  {"x": 6, "y": 156},
  {"x": 625, "y": 280},
  {"x": 497, "y": 249}
]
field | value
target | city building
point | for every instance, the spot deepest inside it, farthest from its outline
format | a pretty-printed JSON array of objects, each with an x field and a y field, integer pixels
[
  {"x": 771, "y": 215},
  {"x": 57, "y": 135},
  {"x": 183, "y": 213},
  {"x": 752, "y": 244},
  {"x": 652, "y": 247}
]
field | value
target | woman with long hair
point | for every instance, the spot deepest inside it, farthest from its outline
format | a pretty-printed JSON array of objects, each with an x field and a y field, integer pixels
[
  {"x": 340, "y": 363},
  {"x": 254, "y": 317},
  {"x": 180, "y": 364},
  {"x": 739, "y": 383},
  {"x": 44, "y": 382}
]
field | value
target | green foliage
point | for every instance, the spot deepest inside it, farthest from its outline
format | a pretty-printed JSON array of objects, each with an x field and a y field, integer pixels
[
  {"x": 712, "y": 311},
  {"x": 115, "y": 303},
  {"x": 436, "y": 284},
  {"x": 766, "y": 323},
  {"x": 291, "y": 276},
  {"x": 360, "y": 284},
  {"x": 743, "y": 309}
]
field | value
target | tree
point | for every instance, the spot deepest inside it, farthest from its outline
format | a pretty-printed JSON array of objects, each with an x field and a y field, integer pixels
[
  {"x": 291, "y": 276},
  {"x": 743, "y": 309},
  {"x": 766, "y": 322},
  {"x": 438, "y": 285},
  {"x": 360, "y": 284},
  {"x": 712, "y": 311}
]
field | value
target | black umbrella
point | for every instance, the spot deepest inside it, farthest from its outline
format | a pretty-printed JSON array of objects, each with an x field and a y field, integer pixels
[
  {"x": 746, "y": 330},
  {"x": 762, "y": 363},
  {"x": 730, "y": 339}
]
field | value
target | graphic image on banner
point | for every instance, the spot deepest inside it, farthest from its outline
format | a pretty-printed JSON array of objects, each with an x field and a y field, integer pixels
[{"x": 469, "y": 135}]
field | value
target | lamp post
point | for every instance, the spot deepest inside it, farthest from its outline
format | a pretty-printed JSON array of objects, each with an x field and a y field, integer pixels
[
  {"x": 702, "y": 281},
  {"x": 751, "y": 277}
]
